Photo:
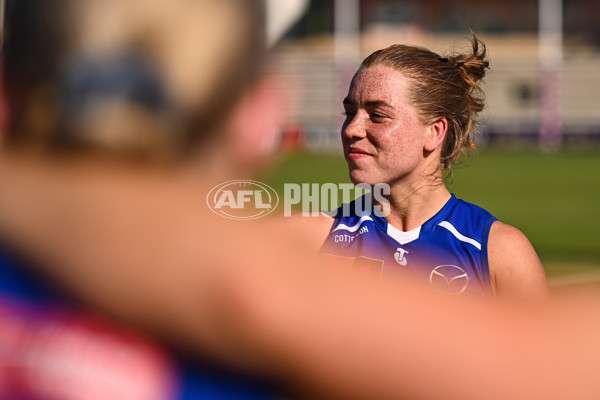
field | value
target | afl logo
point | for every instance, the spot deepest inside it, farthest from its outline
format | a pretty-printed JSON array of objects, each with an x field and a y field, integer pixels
[
  {"x": 449, "y": 279},
  {"x": 242, "y": 199}
]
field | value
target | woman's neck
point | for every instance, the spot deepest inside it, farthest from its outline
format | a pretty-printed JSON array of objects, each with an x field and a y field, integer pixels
[{"x": 412, "y": 204}]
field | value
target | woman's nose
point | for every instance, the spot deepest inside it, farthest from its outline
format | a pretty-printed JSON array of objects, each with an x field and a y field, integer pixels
[{"x": 353, "y": 127}]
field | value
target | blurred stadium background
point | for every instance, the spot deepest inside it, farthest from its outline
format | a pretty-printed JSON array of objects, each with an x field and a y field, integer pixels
[{"x": 538, "y": 167}]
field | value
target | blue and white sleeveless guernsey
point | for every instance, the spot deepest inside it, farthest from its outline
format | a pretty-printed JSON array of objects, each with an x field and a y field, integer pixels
[{"x": 449, "y": 250}]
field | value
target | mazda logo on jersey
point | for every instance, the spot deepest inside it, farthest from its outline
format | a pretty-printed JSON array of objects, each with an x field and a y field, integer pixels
[{"x": 449, "y": 279}]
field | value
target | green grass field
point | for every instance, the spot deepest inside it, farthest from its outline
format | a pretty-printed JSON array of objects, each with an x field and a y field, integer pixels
[{"x": 552, "y": 198}]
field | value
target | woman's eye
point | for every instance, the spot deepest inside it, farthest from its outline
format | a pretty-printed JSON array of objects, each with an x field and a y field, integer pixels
[{"x": 377, "y": 116}]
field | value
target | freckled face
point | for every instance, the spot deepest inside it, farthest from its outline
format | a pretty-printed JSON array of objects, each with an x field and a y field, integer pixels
[{"x": 382, "y": 136}]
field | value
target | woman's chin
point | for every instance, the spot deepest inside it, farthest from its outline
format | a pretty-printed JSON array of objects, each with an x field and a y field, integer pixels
[{"x": 358, "y": 177}]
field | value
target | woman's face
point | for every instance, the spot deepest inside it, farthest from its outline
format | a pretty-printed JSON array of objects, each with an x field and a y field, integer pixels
[{"x": 382, "y": 135}]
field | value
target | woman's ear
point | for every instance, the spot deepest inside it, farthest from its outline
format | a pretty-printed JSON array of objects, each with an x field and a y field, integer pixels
[
  {"x": 258, "y": 120},
  {"x": 436, "y": 132}
]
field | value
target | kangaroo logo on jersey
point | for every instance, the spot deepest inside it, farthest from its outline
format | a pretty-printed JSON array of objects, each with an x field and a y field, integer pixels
[
  {"x": 399, "y": 256},
  {"x": 449, "y": 279}
]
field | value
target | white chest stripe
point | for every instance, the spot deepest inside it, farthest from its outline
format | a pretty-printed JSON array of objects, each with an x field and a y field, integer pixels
[
  {"x": 458, "y": 235},
  {"x": 401, "y": 236},
  {"x": 353, "y": 228}
]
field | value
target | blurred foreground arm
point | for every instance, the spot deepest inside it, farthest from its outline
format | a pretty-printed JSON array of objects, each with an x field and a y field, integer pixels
[
  {"x": 249, "y": 297},
  {"x": 339, "y": 336}
]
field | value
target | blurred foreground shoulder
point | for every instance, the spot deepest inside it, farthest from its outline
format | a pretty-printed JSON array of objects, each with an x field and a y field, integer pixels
[
  {"x": 310, "y": 229},
  {"x": 515, "y": 267}
]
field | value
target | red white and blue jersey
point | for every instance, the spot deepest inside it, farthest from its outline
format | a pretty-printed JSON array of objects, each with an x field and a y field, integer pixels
[
  {"x": 51, "y": 348},
  {"x": 449, "y": 250}
]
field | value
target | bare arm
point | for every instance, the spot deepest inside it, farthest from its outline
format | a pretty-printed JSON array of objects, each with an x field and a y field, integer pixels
[
  {"x": 352, "y": 337},
  {"x": 312, "y": 230},
  {"x": 143, "y": 248},
  {"x": 327, "y": 333},
  {"x": 516, "y": 270}
]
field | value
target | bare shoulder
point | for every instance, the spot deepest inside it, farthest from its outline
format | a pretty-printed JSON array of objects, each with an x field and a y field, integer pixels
[
  {"x": 515, "y": 267},
  {"x": 312, "y": 230}
]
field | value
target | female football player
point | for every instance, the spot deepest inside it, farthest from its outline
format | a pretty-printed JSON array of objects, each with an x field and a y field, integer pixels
[{"x": 410, "y": 114}]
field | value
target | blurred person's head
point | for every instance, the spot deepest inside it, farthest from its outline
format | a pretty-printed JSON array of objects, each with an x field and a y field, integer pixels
[
  {"x": 412, "y": 109},
  {"x": 161, "y": 80}
]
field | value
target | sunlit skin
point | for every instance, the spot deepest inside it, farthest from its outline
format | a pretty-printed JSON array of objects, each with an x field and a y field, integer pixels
[
  {"x": 382, "y": 136},
  {"x": 386, "y": 141}
]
